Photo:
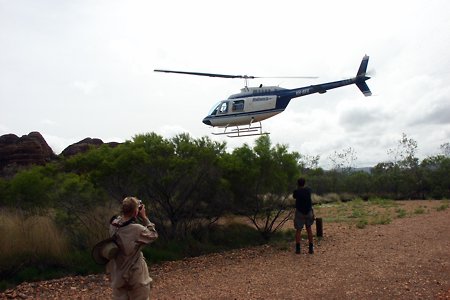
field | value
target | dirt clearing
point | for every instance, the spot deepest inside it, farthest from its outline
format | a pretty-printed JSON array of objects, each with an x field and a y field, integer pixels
[{"x": 406, "y": 259}]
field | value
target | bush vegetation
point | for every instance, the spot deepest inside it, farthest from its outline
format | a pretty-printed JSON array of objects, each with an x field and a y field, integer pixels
[{"x": 52, "y": 215}]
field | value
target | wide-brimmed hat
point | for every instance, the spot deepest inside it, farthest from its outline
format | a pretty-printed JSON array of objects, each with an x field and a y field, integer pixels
[{"x": 104, "y": 251}]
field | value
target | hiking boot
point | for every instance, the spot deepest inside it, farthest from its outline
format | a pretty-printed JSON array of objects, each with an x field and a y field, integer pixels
[
  {"x": 311, "y": 248},
  {"x": 297, "y": 248}
]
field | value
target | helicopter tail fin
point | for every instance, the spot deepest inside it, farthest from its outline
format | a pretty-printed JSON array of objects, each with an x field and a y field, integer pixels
[
  {"x": 364, "y": 88},
  {"x": 361, "y": 77}
]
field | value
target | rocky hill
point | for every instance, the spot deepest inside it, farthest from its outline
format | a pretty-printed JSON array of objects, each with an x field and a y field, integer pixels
[
  {"x": 32, "y": 149},
  {"x": 85, "y": 145}
]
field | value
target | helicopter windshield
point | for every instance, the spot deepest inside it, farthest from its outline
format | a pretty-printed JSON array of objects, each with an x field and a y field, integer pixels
[
  {"x": 220, "y": 107},
  {"x": 213, "y": 111}
]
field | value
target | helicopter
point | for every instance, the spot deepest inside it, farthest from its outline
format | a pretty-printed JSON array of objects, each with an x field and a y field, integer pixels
[{"x": 241, "y": 114}]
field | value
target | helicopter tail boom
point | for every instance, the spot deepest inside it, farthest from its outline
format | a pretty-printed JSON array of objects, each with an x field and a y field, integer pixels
[{"x": 359, "y": 80}]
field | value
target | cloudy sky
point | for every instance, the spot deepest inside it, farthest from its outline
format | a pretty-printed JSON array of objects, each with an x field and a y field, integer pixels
[{"x": 84, "y": 68}]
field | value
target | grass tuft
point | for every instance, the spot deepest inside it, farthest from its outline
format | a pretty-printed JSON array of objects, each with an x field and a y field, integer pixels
[
  {"x": 442, "y": 207},
  {"x": 381, "y": 219},
  {"x": 401, "y": 213},
  {"x": 362, "y": 223},
  {"x": 419, "y": 211}
]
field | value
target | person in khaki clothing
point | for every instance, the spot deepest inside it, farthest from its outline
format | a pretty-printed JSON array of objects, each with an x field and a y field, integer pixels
[{"x": 128, "y": 270}]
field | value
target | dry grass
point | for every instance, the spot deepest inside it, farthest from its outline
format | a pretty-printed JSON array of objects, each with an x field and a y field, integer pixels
[
  {"x": 93, "y": 224},
  {"x": 37, "y": 236}
]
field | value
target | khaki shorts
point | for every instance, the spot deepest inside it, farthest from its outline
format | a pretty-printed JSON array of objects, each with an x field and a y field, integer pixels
[{"x": 301, "y": 220}]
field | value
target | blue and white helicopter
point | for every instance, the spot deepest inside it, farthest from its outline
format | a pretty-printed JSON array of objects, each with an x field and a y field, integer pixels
[{"x": 240, "y": 113}]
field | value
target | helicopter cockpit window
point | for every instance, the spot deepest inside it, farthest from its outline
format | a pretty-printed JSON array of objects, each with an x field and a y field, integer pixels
[
  {"x": 238, "y": 105},
  {"x": 223, "y": 108},
  {"x": 214, "y": 110}
]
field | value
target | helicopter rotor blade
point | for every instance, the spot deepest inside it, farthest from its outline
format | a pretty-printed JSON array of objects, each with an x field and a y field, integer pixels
[
  {"x": 230, "y": 76},
  {"x": 303, "y": 77},
  {"x": 207, "y": 74}
]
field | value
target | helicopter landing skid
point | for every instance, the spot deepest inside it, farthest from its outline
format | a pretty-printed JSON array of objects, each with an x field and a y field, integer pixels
[{"x": 241, "y": 131}]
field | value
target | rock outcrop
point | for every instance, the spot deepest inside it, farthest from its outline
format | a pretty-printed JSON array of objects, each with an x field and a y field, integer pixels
[
  {"x": 31, "y": 149},
  {"x": 81, "y": 146},
  {"x": 84, "y": 145}
]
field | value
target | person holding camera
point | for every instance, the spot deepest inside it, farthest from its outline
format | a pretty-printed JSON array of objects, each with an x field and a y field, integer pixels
[{"x": 128, "y": 270}]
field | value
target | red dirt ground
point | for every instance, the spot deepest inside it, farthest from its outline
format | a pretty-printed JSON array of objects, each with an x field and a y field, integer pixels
[{"x": 406, "y": 259}]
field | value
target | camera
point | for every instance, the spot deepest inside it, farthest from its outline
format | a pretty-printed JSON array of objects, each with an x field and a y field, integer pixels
[{"x": 140, "y": 204}]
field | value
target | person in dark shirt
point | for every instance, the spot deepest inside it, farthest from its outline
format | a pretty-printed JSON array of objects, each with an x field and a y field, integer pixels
[{"x": 304, "y": 214}]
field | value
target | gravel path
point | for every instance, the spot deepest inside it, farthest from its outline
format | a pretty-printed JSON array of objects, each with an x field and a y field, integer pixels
[{"x": 407, "y": 259}]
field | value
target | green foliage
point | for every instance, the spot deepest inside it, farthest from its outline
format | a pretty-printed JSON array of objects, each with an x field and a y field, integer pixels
[
  {"x": 361, "y": 213},
  {"x": 383, "y": 202},
  {"x": 262, "y": 179},
  {"x": 187, "y": 184},
  {"x": 204, "y": 240},
  {"x": 179, "y": 179},
  {"x": 362, "y": 223},
  {"x": 357, "y": 183},
  {"x": 357, "y": 213},
  {"x": 169, "y": 251},
  {"x": 401, "y": 213},
  {"x": 29, "y": 189},
  {"x": 436, "y": 182},
  {"x": 381, "y": 219},
  {"x": 184, "y": 185}
]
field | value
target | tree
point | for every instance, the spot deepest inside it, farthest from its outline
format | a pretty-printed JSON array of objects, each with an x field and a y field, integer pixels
[
  {"x": 445, "y": 148},
  {"x": 344, "y": 160},
  {"x": 262, "y": 180},
  {"x": 319, "y": 180},
  {"x": 358, "y": 183},
  {"x": 385, "y": 177},
  {"x": 405, "y": 153},
  {"x": 405, "y": 171},
  {"x": 31, "y": 189},
  {"x": 179, "y": 179},
  {"x": 182, "y": 181},
  {"x": 79, "y": 208},
  {"x": 342, "y": 164},
  {"x": 436, "y": 182},
  {"x": 108, "y": 168},
  {"x": 308, "y": 162}
]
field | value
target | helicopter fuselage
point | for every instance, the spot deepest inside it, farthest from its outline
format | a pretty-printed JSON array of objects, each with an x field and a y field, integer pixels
[
  {"x": 251, "y": 105},
  {"x": 255, "y": 104}
]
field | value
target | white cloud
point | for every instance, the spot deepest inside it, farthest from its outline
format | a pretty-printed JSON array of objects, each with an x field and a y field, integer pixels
[
  {"x": 48, "y": 122},
  {"x": 85, "y": 86}
]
